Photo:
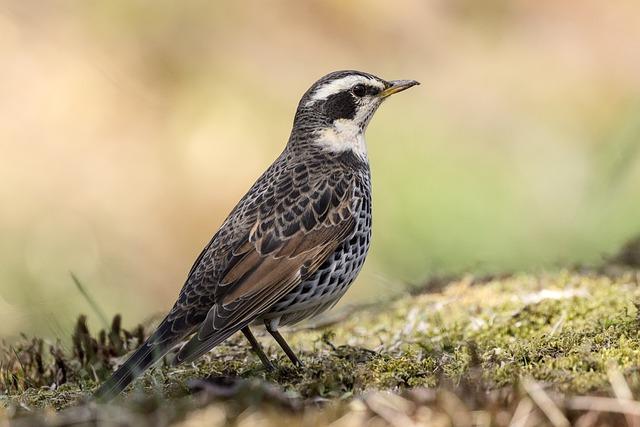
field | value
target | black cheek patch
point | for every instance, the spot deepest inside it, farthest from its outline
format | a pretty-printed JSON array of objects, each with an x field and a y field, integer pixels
[{"x": 340, "y": 106}]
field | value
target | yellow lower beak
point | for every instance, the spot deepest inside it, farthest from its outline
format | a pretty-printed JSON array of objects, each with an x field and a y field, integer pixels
[{"x": 398, "y": 86}]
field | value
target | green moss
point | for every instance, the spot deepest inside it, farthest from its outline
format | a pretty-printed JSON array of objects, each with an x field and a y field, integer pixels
[{"x": 564, "y": 329}]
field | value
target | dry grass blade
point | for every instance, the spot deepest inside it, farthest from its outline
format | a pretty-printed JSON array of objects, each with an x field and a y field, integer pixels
[
  {"x": 94, "y": 305},
  {"x": 604, "y": 404},
  {"x": 455, "y": 408},
  {"x": 589, "y": 419},
  {"x": 618, "y": 383},
  {"x": 391, "y": 408},
  {"x": 545, "y": 403},
  {"x": 622, "y": 391},
  {"x": 522, "y": 413}
]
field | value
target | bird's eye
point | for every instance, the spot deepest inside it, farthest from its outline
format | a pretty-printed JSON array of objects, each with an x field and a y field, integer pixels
[{"x": 359, "y": 90}]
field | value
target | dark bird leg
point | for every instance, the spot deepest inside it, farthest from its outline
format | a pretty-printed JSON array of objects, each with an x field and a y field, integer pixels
[
  {"x": 283, "y": 344},
  {"x": 257, "y": 348}
]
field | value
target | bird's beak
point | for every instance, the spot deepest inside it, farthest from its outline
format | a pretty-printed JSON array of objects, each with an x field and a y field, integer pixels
[{"x": 396, "y": 86}]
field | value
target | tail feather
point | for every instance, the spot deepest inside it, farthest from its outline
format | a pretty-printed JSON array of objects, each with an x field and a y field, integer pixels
[
  {"x": 156, "y": 346},
  {"x": 150, "y": 352}
]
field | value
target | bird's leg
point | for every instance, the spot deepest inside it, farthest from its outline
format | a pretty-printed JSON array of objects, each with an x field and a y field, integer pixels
[
  {"x": 283, "y": 344},
  {"x": 257, "y": 348}
]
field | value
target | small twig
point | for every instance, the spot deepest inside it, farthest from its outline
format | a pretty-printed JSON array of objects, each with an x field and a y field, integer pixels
[{"x": 544, "y": 402}]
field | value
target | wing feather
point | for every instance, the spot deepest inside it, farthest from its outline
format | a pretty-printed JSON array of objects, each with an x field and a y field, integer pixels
[{"x": 272, "y": 259}]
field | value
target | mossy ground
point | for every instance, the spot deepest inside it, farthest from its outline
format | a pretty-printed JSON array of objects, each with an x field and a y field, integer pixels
[{"x": 469, "y": 342}]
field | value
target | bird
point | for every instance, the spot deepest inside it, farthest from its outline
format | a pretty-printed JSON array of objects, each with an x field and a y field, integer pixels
[{"x": 293, "y": 244}]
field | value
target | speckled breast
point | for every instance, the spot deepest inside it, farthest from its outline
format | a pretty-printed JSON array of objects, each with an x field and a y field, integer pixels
[{"x": 322, "y": 290}]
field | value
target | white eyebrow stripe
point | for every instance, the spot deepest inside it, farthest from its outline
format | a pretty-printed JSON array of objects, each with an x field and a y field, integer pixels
[{"x": 339, "y": 85}]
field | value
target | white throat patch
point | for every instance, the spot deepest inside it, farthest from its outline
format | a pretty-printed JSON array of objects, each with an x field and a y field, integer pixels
[
  {"x": 343, "y": 136},
  {"x": 340, "y": 85}
]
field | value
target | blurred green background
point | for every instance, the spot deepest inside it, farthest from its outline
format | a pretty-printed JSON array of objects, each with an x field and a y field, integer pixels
[{"x": 129, "y": 129}]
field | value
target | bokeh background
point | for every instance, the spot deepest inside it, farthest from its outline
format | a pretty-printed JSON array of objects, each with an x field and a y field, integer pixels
[{"x": 129, "y": 129}]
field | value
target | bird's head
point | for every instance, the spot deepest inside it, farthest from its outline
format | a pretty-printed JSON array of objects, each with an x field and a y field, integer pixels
[{"x": 334, "y": 113}]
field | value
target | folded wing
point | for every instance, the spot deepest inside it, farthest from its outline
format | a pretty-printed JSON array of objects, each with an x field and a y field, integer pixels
[{"x": 286, "y": 244}]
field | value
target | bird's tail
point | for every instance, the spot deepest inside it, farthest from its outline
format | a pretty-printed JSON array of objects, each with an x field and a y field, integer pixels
[{"x": 156, "y": 346}]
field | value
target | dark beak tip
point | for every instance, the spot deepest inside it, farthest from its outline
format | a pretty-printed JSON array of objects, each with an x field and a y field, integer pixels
[
  {"x": 396, "y": 86},
  {"x": 407, "y": 83}
]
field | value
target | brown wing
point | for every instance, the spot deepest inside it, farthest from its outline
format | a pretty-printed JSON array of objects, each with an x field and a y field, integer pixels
[{"x": 286, "y": 244}]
